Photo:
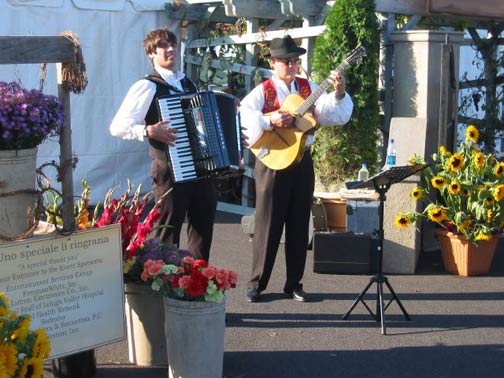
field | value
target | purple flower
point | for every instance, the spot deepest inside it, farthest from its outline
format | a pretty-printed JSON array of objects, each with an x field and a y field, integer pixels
[
  {"x": 27, "y": 117},
  {"x": 172, "y": 257}
]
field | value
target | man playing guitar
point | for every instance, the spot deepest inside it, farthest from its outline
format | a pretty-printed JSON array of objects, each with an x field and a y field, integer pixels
[{"x": 284, "y": 192}]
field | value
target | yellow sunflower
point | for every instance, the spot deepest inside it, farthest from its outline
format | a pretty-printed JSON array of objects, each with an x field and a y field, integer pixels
[
  {"x": 31, "y": 368},
  {"x": 489, "y": 201},
  {"x": 499, "y": 168},
  {"x": 454, "y": 187},
  {"x": 402, "y": 221},
  {"x": 472, "y": 133},
  {"x": 42, "y": 345},
  {"x": 443, "y": 151},
  {"x": 417, "y": 193},
  {"x": 23, "y": 329},
  {"x": 437, "y": 214},
  {"x": 479, "y": 159},
  {"x": 8, "y": 354},
  {"x": 498, "y": 192},
  {"x": 456, "y": 162},
  {"x": 464, "y": 225},
  {"x": 438, "y": 182}
]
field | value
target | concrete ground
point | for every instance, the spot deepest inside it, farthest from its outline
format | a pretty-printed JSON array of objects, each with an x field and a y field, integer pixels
[{"x": 456, "y": 327}]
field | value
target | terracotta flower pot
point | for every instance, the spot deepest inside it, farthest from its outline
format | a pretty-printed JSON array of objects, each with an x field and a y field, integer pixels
[{"x": 463, "y": 257}]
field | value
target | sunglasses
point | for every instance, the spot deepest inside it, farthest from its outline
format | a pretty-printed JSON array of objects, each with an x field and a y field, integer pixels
[{"x": 289, "y": 62}]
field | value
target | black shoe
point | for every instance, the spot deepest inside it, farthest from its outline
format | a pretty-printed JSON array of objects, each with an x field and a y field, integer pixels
[
  {"x": 298, "y": 295},
  {"x": 253, "y": 295}
]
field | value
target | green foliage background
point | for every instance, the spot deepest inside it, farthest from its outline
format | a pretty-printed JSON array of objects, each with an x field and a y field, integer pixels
[{"x": 339, "y": 151}]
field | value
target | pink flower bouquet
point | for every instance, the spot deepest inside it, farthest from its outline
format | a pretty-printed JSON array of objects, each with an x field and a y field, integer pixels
[{"x": 191, "y": 280}]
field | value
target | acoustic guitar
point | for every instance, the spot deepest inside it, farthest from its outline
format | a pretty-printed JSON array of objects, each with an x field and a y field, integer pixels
[{"x": 282, "y": 147}]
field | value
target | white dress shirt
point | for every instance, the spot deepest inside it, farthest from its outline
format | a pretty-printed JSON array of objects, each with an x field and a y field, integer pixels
[
  {"x": 329, "y": 111},
  {"x": 129, "y": 121}
]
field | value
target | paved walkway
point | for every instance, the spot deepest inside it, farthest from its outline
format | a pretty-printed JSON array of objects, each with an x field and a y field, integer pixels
[{"x": 456, "y": 327}]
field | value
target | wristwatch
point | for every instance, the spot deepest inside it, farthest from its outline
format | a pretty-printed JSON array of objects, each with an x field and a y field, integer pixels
[{"x": 146, "y": 132}]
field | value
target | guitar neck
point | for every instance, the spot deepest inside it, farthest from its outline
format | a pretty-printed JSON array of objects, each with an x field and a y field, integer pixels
[{"x": 310, "y": 101}]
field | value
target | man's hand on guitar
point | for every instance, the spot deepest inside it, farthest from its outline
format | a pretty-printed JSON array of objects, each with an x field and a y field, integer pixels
[
  {"x": 281, "y": 118},
  {"x": 339, "y": 84}
]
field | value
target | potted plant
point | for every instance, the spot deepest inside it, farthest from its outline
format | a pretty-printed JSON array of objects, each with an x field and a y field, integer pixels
[
  {"x": 22, "y": 350},
  {"x": 144, "y": 308},
  {"x": 463, "y": 194},
  {"x": 194, "y": 301},
  {"x": 163, "y": 285},
  {"x": 193, "y": 293},
  {"x": 27, "y": 118}
]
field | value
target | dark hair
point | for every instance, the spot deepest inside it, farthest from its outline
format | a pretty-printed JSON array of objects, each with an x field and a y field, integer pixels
[{"x": 152, "y": 39}]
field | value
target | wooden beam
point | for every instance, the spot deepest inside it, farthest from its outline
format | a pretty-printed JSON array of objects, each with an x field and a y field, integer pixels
[
  {"x": 200, "y": 1},
  {"x": 268, "y": 9},
  {"x": 36, "y": 49},
  {"x": 255, "y": 37},
  {"x": 234, "y": 67},
  {"x": 486, "y": 9},
  {"x": 185, "y": 12},
  {"x": 417, "y": 7},
  {"x": 197, "y": 13},
  {"x": 470, "y": 9},
  {"x": 302, "y": 8}
]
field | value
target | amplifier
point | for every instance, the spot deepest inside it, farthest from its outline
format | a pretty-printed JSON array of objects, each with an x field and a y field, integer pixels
[
  {"x": 344, "y": 253},
  {"x": 363, "y": 217}
]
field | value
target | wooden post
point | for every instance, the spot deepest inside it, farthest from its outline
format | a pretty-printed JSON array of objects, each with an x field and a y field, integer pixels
[{"x": 66, "y": 163}]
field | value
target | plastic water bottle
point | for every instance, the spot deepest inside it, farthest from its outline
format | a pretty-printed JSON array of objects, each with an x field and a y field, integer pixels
[
  {"x": 363, "y": 173},
  {"x": 391, "y": 154}
]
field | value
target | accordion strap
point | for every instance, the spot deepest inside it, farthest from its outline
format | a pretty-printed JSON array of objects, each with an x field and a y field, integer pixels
[{"x": 187, "y": 84}]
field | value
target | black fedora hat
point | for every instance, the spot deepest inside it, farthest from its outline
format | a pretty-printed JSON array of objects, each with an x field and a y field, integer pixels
[{"x": 284, "y": 48}]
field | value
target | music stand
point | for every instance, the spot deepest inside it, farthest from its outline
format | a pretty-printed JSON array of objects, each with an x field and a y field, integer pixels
[{"x": 381, "y": 182}]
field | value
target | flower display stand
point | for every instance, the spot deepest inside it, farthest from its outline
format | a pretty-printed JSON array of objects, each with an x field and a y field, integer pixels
[
  {"x": 463, "y": 257},
  {"x": 195, "y": 338},
  {"x": 17, "y": 191},
  {"x": 145, "y": 319}
]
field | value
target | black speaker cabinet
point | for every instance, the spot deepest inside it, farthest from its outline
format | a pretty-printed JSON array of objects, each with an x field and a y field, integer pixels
[{"x": 344, "y": 253}]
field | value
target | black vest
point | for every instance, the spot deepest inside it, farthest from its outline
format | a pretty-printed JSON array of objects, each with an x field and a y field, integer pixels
[{"x": 163, "y": 89}]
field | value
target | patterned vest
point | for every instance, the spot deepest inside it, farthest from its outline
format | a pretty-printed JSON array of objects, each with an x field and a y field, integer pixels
[{"x": 270, "y": 95}]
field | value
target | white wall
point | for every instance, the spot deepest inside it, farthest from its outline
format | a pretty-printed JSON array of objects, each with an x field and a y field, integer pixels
[{"x": 111, "y": 33}]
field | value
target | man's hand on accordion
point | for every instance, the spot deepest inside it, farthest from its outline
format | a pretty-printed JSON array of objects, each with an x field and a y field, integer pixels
[{"x": 162, "y": 132}]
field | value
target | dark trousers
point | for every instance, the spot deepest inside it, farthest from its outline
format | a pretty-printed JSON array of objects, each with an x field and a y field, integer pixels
[
  {"x": 195, "y": 201},
  {"x": 283, "y": 198}
]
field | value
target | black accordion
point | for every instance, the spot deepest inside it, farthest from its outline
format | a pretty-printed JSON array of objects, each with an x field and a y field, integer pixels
[{"x": 208, "y": 134}]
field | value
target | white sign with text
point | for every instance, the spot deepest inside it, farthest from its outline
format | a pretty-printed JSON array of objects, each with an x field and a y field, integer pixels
[{"x": 72, "y": 286}]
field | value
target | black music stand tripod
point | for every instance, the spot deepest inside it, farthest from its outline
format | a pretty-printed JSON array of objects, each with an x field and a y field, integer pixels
[{"x": 382, "y": 183}]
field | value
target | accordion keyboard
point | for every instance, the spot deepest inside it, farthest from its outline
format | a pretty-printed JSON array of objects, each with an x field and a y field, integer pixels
[{"x": 181, "y": 157}]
